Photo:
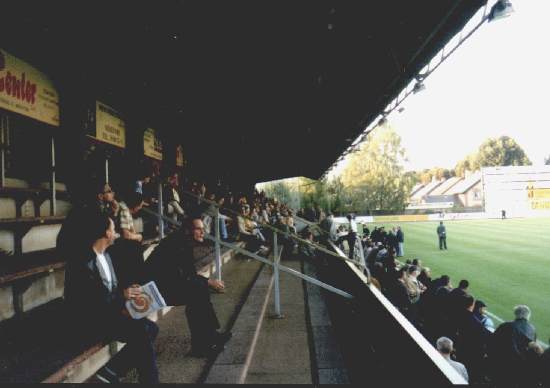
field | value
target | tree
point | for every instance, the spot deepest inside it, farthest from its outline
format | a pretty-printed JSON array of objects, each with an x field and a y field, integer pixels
[
  {"x": 547, "y": 160},
  {"x": 374, "y": 176},
  {"x": 502, "y": 151}
]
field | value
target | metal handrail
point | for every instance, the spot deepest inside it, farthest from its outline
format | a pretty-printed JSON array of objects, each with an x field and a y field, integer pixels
[
  {"x": 271, "y": 227},
  {"x": 262, "y": 259},
  {"x": 424, "y": 345}
]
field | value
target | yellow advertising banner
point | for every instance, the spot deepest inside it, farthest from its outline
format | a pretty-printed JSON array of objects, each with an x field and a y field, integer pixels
[
  {"x": 109, "y": 126},
  {"x": 25, "y": 90},
  {"x": 401, "y": 218},
  {"x": 179, "y": 156},
  {"x": 152, "y": 146},
  {"x": 539, "y": 198}
]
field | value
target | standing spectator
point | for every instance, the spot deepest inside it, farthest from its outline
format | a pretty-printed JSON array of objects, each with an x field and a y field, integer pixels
[
  {"x": 401, "y": 242},
  {"x": 352, "y": 234},
  {"x": 508, "y": 351},
  {"x": 327, "y": 226},
  {"x": 445, "y": 348},
  {"x": 442, "y": 234},
  {"x": 392, "y": 240}
]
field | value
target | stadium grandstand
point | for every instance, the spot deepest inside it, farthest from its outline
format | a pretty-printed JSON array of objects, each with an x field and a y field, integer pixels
[{"x": 133, "y": 245}]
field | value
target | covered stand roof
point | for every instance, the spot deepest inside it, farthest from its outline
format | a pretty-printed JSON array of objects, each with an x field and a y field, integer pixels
[{"x": 270, "y": 89}]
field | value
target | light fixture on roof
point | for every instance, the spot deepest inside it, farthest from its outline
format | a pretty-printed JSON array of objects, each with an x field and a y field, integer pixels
[
  {"x": 418, "y": 86},
  {"x": 500, "y": 10},
  {"x": 382, "y": 121}
]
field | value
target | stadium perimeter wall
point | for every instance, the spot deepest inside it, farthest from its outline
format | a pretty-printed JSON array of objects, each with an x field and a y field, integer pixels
[{"x": 437, "y": 217}]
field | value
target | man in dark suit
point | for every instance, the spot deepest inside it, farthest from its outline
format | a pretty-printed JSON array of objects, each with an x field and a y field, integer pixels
[
  {"x": 442, "y": 234},
  {"x": 97, "y": 302},
  {"x": 400, "y": 242},
  {"x": 171, "y": 266}
]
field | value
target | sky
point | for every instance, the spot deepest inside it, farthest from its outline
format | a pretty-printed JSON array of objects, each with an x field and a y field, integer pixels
[{"x": 496, "y": 83}]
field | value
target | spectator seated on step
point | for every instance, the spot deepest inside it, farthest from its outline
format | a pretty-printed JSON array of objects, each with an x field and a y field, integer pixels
[
  {"x": 308, "y": 251},
  {"x": 95, "y": 298},
  {"x": 246, "y": 233}
]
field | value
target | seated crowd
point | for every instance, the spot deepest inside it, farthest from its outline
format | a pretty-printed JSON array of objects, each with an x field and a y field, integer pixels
[
  {"x": 455, "y": 322},
  {"x": 103, "y": 271},
  {"x": 104, "y": 252}
]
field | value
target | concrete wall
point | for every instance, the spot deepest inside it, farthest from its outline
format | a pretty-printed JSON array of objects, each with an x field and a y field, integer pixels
[
  {"x": 7, "y": 208},
  {"x": 7, "y": 240},
  {"x": 63, "y": 208},
  {"x": 44, "y": 289},
  {"x": 40, "y": 237},
  {"x": 6, "y": 303}
]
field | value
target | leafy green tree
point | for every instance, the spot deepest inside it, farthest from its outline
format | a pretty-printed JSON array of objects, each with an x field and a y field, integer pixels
[
  {"x": 374, "y": 175},
  {"x": 501, "y": 151}
]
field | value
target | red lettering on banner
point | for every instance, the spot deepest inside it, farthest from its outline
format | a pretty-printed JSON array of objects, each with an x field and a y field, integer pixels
[{"x": 21, "y": 89}]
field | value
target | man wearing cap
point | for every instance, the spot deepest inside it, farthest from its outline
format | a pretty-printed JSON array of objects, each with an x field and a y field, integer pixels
[
  {"x": 480, "y": 312},
  {"x": 106, "y": 200}
]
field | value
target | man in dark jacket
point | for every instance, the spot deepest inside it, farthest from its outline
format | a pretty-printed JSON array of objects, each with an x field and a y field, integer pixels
[
  {"x": 442, "y": 234},
  {"x": 471, "y": 340},
  {"x": 97, "y": 302},
  {"x": 171, "y": 266},
  {"x": 400, "y": 242},
  {"x": 509, "y": 348}
]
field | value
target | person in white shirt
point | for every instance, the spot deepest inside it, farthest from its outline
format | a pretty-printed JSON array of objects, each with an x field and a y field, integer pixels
[{"x": 445, "y": 348}]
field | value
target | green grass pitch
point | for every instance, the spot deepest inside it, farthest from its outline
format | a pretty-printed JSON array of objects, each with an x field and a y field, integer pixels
[{"x": 507, "y": 262}]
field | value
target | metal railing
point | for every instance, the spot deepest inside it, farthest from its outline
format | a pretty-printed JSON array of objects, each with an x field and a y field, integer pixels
[{"x": 277, "y": 267}]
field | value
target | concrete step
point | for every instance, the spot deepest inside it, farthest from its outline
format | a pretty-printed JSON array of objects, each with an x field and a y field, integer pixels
[
  {"x": 298, "y": 348},
  {"x": 173, "y": 344}
]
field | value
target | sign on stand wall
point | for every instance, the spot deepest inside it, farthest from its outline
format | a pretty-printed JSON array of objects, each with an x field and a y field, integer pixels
[
  {"x": 25, "y": 90},
  {"x": 152, "y": 146},
  {"x": 110, "y": 128}
]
